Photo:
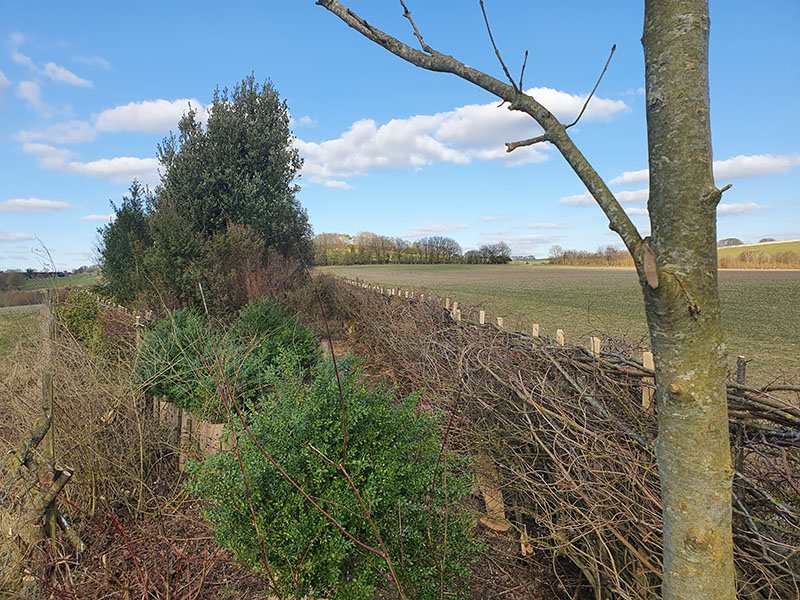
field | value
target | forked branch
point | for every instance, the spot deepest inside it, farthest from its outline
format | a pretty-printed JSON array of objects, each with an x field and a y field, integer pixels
[{"x": 554, "y": 131}]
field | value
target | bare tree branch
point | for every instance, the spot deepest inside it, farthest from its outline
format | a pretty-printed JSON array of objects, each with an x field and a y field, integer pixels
[
  {"x": 496, "y": 51},
  {"x": 407, "y": 15},
  {"x": 554, "y": 130},
  {"x": 599, "y": 79},
  {"x": 511, "y": 146},
  {"x": 522, "y": 73}
]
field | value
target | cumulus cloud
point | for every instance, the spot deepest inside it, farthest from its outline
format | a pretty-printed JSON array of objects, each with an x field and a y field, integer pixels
[
  {"x": 464, "y": 134},
  {"x": 64, "y": 75},
  {"x": 33, "y": 205},
  {"x": 14, "y": 237},
  {"x": 70, "y": 132},
  {"x": 149, "y": 116},
  {"x": 635, "y": 197},
  {"x": 25, "y": 61},
  {"x": 753, "y": 165},
  {"x": 744, "y": 208},
  {"x": 633, "y": 211},
  {"x": 104, "y": 218},
  {"x": 335, "y": 183},
  {"x": 120, "y": 169},
  {"x": 428, "y": 228}
]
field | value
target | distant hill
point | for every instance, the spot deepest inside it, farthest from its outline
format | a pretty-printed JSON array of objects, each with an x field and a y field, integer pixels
[{"x": 765, "y": 247}]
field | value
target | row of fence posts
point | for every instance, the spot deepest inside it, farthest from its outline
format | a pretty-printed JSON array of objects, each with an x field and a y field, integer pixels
[{"x": 488, "y": 480}]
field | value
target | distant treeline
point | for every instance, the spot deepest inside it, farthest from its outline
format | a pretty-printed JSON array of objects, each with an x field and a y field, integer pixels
[
  {"x": 609, "y": 256},
  {"x": 755, "y": 259},
  {"x": 366, "y": 248}
]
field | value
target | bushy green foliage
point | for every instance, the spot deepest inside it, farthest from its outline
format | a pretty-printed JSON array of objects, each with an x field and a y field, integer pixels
[
  {"x": 78, "y": 313},
  {"x": 394, "y": 460},
  {"x": 190, "y": 363}
]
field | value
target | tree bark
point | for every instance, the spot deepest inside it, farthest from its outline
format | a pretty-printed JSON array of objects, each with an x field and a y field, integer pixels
[{"x": 683, "y": 314}]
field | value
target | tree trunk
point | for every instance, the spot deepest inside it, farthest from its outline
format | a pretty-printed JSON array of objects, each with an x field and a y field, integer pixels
[{"x": 678, "y": 272}]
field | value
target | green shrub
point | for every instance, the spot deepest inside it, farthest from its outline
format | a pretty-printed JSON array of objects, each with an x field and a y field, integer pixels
[
  {"x": 78, "y": 313},
  {"x": 393, "y": 456},
  {"x": 185, "y": 360}
]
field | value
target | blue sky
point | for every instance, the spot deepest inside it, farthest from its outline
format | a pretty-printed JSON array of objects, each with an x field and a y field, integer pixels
[{"x": 88, "y": 89}]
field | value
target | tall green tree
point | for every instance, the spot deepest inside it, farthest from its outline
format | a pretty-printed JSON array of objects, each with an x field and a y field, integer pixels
[
  {"x": 239, "y": 168},
  {"x": 123, "y": 244},
  {"x": 677, "y": 267}
]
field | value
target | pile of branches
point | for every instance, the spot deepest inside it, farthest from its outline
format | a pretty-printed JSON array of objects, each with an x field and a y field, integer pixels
[{"x": 574, "y": 449}]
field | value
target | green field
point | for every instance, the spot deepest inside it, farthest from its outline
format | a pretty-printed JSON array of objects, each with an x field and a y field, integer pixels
[
  {"x": 79, "y": 280},
  {"x": 759, "y": 307},
  {"x": 17, "y": 324},
  {"x": 766, "y": 248}
]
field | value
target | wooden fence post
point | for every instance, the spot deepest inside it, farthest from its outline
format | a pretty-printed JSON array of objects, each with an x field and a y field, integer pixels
[
  {"x": 560, "y": 337},
  {"x": 647, "y": 391},
  {"x": 489, "y": 484},
  {"x": 482, "y": 317},
  {"x": 535, "y": 331},
  {"x": 447, "y": 303},
  {"x": 741, "y": 368},
  {"x": 595, "y": 345},
  {"x": 457, "y": 314},
  {"x": 500, "y": 322}
]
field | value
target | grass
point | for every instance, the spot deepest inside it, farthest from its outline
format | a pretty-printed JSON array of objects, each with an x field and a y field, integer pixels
[
  {"x": 767, "y": 248},
  {"x": 79, "y": 280},
  {"x": 18, "y": 324},
  {"x": 759, "y": 307}
]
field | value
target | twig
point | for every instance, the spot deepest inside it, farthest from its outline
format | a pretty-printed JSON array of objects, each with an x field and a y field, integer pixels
[
  {"x": 497, "y": 52},
  {"x": 585, "y": 104}
]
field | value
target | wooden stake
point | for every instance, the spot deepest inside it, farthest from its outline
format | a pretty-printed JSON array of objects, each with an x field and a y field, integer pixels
[
  {"x": 560, "y": 337},
  {"x": 595, "y": 345},
  {"x": 482, "y": 317},
  {"x": 500, "y": 322},
  {"x": 647, "y": 391},
  {"x": 741, "y": 368},
  {"x": 535, "y": 331},
  {"x": 447, "y": 303},
  {"x": 489, "y": 484}
]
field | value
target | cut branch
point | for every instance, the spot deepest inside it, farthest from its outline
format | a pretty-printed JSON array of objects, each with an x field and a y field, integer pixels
[{"x": 511, "y": 146}]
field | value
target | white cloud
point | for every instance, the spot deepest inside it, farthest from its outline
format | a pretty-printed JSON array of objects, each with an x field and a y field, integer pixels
[
  {"x": 23, "y": 60},
  {"x": 428, "y": 228},
  {"x": 17, "y": 38},
  {"x": 335, "y": 183},
  {"x": 64, "y": 75},
  {"x": 14, "y": 237},
  {"x": 4, "y": 83},
  {"x": 631, "y": 177},
  {"x": 636, "y": 197},
  {"x": 306, "y": 121},
  {"x": 476, "y": 131},
  {"x": 753, "y": 165},
  {"x": 149, "y": 116},
  {"x": 104, "y": 218},
  {"x": 70, "y": 132},
  {"x": 121, "y": 169},
  {"x": 33, "y": 205},
  {"x": 556, "y": 225},
  {"x": 744, "y": 208},
  {"x": 526, "y": 244},
  {"x": 633, "y": 211},
  {"x": 93, "y": 61},
  {"x": 32, "y": 94}
]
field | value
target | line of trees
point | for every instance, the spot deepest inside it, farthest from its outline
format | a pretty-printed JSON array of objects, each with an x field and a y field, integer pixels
[
  {"x": 610, "y": 256},
  {"x": 366, "y": 248}
]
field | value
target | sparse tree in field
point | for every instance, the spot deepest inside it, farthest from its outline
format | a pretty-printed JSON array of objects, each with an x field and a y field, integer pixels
[
  {"x": 729, "y": 242},
  {"x": 677, "y": 268}
]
